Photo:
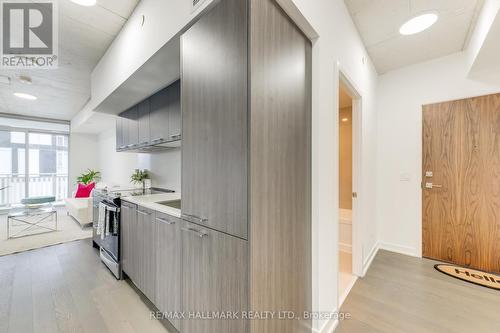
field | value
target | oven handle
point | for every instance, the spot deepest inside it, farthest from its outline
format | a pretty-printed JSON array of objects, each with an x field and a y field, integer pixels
[{"x": 111, "y": 208}]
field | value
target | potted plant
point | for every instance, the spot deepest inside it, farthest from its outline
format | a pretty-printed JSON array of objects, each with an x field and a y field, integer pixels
[
  {"x": 90, "y": 176},
  {"x": 140, "y": 177}
]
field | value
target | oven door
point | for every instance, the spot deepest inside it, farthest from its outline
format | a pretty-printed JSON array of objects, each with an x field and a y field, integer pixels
[{"x": 111, "y": 241}]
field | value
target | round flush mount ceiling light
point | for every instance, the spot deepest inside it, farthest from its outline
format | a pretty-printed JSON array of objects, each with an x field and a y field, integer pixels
[
  {"x": 25, "y": 96},
  {"x": 86, "y": 3},
  {"x": 418, "y": 23}
]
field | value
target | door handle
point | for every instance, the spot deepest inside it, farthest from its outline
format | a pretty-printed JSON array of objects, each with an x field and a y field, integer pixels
[
  {"x": 195, "y": 231},
  {"x": 431, "y": 185}
]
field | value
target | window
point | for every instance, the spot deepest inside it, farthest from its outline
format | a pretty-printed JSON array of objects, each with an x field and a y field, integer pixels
[{"x": 32, "y": 163}]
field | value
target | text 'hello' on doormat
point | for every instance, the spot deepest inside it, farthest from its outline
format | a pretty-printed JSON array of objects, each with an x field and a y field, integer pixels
[{"x": 480, "y": 278}]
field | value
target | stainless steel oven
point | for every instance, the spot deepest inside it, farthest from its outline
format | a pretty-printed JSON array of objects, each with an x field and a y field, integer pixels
[{"x": 108, "y": 232}]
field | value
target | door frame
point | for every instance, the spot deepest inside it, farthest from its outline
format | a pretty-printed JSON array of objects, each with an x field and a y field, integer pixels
[{"x": 357, "y": 107}]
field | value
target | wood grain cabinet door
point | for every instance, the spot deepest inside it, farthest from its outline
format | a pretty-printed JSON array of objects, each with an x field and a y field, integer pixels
[
  {"x": 143, "y": 122},
  {"x": 214, "y": 119},
  {"x": 214, "y": 278},
  {"x": 461, "y": 182},
  {"x": 174, "y": 111},
  {"x": 129, "y": 240},
  {"x": 168, "y": 265},
  {"x": 146, "y": 252}
]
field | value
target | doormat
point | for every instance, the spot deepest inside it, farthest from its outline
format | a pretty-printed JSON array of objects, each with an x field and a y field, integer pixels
[{"x": 480, "y": 278}]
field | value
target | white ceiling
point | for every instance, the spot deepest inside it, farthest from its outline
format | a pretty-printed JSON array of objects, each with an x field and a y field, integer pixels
[
  {"x": 378, "y": 22},
  {"x": 84, "y": 35}
]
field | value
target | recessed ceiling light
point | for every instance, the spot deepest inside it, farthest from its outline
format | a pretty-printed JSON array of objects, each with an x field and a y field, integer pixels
[
  {"x": 86, "y": 3},
  {"x": 418, "y": 24},
  {"x": 345, "y": 119},
  {"x": 25, "y": 96}
]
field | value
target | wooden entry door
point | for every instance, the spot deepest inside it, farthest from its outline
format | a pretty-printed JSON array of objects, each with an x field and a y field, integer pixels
[{"x": 461, "y": 182}]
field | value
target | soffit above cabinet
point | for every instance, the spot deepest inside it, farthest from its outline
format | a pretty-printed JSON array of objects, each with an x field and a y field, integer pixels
[{"x": 145, "y": 57}]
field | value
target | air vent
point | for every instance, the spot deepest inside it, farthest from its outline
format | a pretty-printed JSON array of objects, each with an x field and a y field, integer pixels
[{"x": 197, "y": 4}]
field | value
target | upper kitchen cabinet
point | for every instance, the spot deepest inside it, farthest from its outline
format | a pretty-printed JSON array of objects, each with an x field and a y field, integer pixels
[
  {"x": 153, "y": 123},
  {"x": 165, "y": 114},
  {"x": 143, "y": 111},
  {"x": 127, "y": 131},
  {"x": 214, "y": 119}
]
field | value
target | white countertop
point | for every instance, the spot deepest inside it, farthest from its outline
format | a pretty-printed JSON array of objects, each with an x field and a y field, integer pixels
[{"x": 151, "y": 201}]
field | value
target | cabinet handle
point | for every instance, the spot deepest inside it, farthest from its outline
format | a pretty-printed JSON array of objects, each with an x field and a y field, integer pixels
[
  {"x": 175, "y": 136},
  {"x": 194, "y": 218},
  {"x": 143, "y": 212},
  {"x": 195, "y": 231},
  {"x": 165, "y": 221},
  {"x": 157, "y": 139},
  {"x": 144, "y": 143}
]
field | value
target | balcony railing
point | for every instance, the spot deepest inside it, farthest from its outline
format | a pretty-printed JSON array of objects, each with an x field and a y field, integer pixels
[{"x": 38, "y": 185}]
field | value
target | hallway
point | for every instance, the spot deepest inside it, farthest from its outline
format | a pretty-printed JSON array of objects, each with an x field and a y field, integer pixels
[{"x": 406, "y": 294}]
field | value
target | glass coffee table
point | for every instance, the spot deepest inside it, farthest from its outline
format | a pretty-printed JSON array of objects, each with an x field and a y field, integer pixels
[{"x": 28, "y": 221}]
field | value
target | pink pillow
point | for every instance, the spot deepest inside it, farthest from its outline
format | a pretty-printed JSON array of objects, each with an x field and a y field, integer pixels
[{"x": 84, "y": 191}]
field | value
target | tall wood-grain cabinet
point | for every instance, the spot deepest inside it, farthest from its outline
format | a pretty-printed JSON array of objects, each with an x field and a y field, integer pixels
[{"x": 246, "y": 167}]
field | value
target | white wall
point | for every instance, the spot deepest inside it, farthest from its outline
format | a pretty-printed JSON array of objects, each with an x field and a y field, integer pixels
[
  {"x": 116, "y": 168},
  {"x": 401, "y": 94},
  {"x": 338, "y": 42},
  {"x": 82, "y": 156}
]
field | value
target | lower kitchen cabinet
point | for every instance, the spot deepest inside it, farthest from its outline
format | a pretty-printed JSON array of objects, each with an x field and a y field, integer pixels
[
  {"x": 127, "y": 242},
  {"x": 214, "y": 279},
  {"x": 168, "y": 266},
  {"x": 146, "y": 252}
]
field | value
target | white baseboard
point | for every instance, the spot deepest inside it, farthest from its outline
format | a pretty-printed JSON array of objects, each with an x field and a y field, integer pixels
[
  {"x": 406, "y": 250},
  {"x": 345, "y": 247},
  {"x": 369, "y": 260}
]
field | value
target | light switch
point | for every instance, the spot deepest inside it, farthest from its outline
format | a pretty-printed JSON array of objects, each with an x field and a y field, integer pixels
[{"x": 404, "y": 177}]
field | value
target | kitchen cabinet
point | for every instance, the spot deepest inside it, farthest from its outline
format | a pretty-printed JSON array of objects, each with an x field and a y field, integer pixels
[
  {"x": 214, "y": 278},
  {"x": 246, "y": 165},
  {"x": 215, "y": 120},
  {"x": 154, "y": 121},
  {"x": 127, "y": 130},
  {"x": 128, "y": 239},
  {"x": 143, "y": 123},
  {"x": 146, "y": 252},
  {"x": 165, "y": 114},
  {"x": 168, "y": 265},
  {"x": 120, "y": 143}
]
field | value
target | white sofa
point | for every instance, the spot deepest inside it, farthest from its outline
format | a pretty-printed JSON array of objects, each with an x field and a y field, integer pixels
[{"x": 80, "y": 209}]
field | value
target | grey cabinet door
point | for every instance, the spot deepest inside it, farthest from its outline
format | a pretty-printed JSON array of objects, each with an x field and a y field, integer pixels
[
  {"x": 168, "y": 265},
  {"x": 214, "y": 278},
  {"x": 128, "y": 241},
  {"x": 165, "y": 107},
  {"x": 146, "y": 252},
  {"x": 214, "y": 119},
  {"x": 174, "y": 111},
  {"x": 143, "y": 122},
  {"x": 133, "y": 127},
  {"x": 119, "y": 133}
]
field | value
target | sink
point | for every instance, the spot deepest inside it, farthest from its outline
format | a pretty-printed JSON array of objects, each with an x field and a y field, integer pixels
[{"x": 172, "y": 203}]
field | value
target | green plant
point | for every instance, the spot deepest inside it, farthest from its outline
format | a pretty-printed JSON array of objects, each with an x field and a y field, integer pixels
[
  {"x": 88, "y": 177},
  {"x": 138, "y": 176}
]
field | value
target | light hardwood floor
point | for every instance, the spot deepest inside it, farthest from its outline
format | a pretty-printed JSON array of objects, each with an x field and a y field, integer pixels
[
  {"x": 65, "y": 288},
  {"x": 406, "y": 294}
]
